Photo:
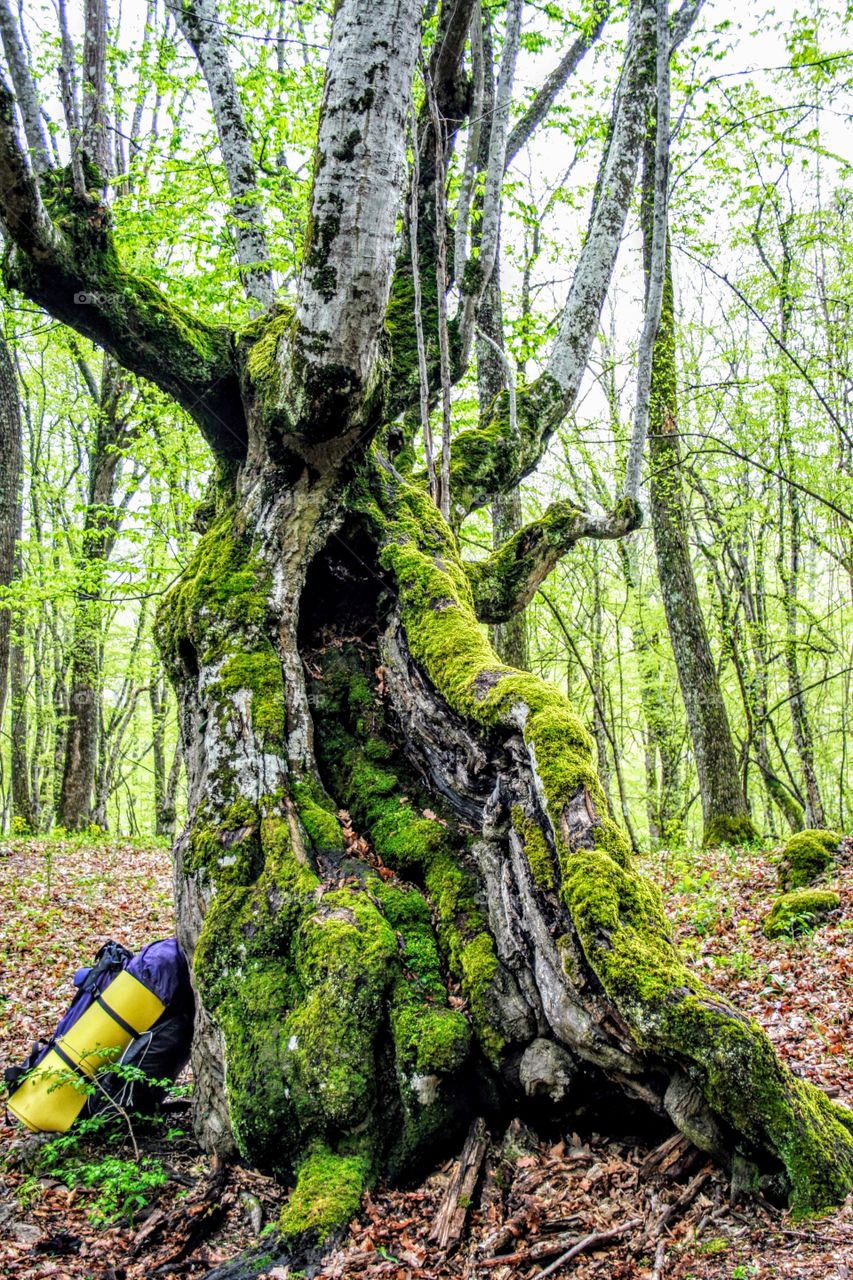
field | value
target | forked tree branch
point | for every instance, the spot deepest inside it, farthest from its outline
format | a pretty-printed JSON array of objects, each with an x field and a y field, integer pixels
[
  {"x": 547, "y": 95},
  {"x": 488, "y": 460},
  {"x": 507, "y": 580},
  {"x": 76, "y": 276}
]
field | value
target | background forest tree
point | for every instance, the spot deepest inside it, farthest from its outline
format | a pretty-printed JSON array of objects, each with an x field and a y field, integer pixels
[{"x": 709, "y": 650}]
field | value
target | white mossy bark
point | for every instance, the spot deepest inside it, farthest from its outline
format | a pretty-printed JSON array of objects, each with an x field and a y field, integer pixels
[
  {"x": 495, "y": 169},
  {"x": 202, "y": 27},
  {"x": 657, "y": 265},
  {"x": 358, "y": 184},
  {"x": 472, "y": 151},
  {"x": 612, "y": 199}
]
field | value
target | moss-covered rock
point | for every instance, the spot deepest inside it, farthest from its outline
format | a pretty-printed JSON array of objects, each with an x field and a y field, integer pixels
[
  {"x": 800, "y": 911},
  {"x": 806, "y": 857}
]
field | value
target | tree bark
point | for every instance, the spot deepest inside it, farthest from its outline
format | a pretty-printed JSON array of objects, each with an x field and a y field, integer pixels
[
  {"x": 202, "y": 27},
  {"x": 100, "y": 528},
  {"x": 12, "y": 647},
  {"x": 165, "y": 785},
  {"x": 11, "y": 462},
  {"x": 364, "y": 985}
]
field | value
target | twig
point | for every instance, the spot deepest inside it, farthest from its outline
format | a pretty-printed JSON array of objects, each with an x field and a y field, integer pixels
[
  {"x": 592, "y": 1241},
  {"x": 660, "y": 1260},
  {"x": 536, "y": 1253},
  {"x": 815, "y": 1235},
  {"x": 688, "y": 1194}
]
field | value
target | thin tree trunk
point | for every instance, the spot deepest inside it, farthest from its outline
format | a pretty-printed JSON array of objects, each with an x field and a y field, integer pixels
[
  {"x": 790, "y": 571},
  {"x": 12, "y": 640},
  {"x": 100, "y": 528},
  {"x": 93, "y": 114},
  {"x": 724, "y": 808},
  {"x": 23, "y": 815},
  {"x": 510, "y": 637},
  {"x": 11, "y": 462},
  {"x": 803, "y": 737}
]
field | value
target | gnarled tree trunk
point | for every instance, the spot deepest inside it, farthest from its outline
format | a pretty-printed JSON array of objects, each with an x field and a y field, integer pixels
[{"x": 362, "y": 987}]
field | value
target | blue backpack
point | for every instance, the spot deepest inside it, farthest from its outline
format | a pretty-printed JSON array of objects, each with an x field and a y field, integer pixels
[{"x": 160, "y": 1052}]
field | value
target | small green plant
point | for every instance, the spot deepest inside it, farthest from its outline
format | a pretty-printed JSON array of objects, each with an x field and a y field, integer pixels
[{"x": 123, "y": 1186}]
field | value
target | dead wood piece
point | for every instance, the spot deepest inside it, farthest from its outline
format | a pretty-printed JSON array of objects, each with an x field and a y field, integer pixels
[
  {"x": 184, "y": 1228},
  {"x": 450, "y": 1219},
  {"x": 687, "y": 1196},
  {"x": 527, "y": 1219},
  {"x": 593, "y": 1241},
  {"x": 536, "y": 1253},
  {"x": 664, "y": 1155},
  {"x": 660, "y": 1260},
  {"x": 517, "y": 1225}
]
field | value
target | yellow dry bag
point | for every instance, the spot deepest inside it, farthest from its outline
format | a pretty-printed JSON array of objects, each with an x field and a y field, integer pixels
[{"x": 55, "y": 1091}]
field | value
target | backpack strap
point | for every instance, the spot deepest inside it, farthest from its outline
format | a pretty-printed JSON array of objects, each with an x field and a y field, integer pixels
[
  {"x": 11, "y": 1075},
  {"x": 112, "y": 956}
]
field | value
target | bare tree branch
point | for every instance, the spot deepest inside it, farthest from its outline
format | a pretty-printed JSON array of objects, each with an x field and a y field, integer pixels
[
  {"x": 75, "y": 276},
  {"x": 202, "y": 28},
  {"x": 474, "y": 282},
  {"x": 472, "y": 152},
  {"x": 682, "y": 20},
  {"x": 487, "y": 460},
  {"x": 94, "y": 105},
  {"x": 546, "y": 97},
  {"x": 25, "y": 89}
]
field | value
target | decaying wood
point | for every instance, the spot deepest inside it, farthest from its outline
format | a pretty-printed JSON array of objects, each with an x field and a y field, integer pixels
[
  {"x": 450, "y": 1220},
  {"x": 664, "y": 1155},
  {"x": 519, "y": 1224},
  {"x": 183, "y": 1229},
  {"x": 537, "y": 1252}
]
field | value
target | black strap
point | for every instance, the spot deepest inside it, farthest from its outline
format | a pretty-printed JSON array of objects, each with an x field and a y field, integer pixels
[
  {"x": 69, "y": 1062},
  {"x": 116, "y": 1017}
]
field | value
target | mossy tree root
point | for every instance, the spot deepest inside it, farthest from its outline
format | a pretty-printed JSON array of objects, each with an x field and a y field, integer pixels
[
  {"x": 578, "y": 895},
  {"x": 323, "y": 980}
]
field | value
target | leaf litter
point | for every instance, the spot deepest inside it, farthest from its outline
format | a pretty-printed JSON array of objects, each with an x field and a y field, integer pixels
[{"x": 587, "y": 1205}]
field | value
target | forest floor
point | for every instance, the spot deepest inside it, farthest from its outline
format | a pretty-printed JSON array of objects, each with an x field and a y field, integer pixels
[{"x": 89, "y": 1210}]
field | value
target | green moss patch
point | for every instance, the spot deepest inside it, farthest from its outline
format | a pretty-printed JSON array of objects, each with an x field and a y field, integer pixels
[
  {"x": 799, "y": 912},
  {"x": 327, "y": 1194},
  {"x": 733, "y": 829},
  {"x": 806, "y": 857},
  {"x": 618, "y": 915}
]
